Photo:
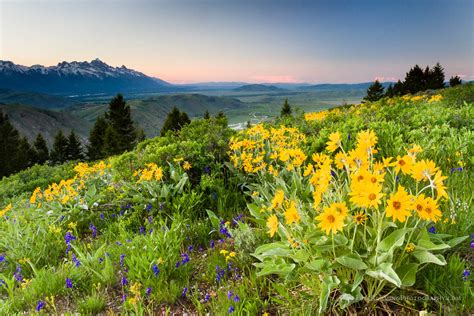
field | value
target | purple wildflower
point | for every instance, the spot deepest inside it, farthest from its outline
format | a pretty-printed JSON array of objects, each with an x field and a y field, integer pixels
[
  {"x": 75, "y": 260},
  {"x": 17, "y": 274},
  {"x": 122, "y": 258},
  {"x": 207, "y": 297},
  {"x": 142, "y": 230},
  {"x": 230, "y": 294},
  {"x": 93, "y": 229},
  {"x": 148, "y": 291},
  {"x": 124, "y": 281},
  {"x": 231, "y": 309},
  {"x": 212, "y": 244},
  {"x": 185, "y": 291},
  {"x": 432, "y": 230},
  {"x": 155, "y": 269},
  {"x": 39, "y": 306},
  {"x": 185, "y": 258},
  {"x": 148, "y": 207},
  {"x": 207, "y": 170},
  {"x": 465, "y": 274},
  {"x": 150, "y": 219},
  {"x": 68, "y": 283},
  {"x": 236, "y": 298}
]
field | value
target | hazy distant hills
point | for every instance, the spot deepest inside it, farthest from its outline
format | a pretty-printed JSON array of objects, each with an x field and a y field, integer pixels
[
  {"x": 258, "y": 88},
  {"x": 151, "y": 112},
  {"x": 340, "y": 86},
  {"x": 30, "y": 121},
  {"x": 78, "y": 78},
  {"x": 40, "y": 100}
]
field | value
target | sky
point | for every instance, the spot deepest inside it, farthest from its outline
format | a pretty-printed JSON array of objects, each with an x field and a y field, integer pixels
[{"x": 186, "y": 41}]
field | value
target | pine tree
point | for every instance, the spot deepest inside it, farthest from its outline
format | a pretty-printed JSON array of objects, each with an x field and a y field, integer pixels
[
  {"x": 111, "y": 139},
  {"x": 398, "y": 88},
  {"x": 74, "y": 147},
  {"x": 95, "y": 148},
  {"x": 41, "y": 150},
  {"x": 221, "y": 118},
  {"x": 427, "y": 77},
  {"x": 374, "y": 92},
  {"x": 389, "y": 92},
  {"x": 286, "y": 109},
  {"x": 414, "y": 80},
  {"x": 249, "y": 124},
  {"x": 175, "y": 121},
  {"x": 206, "y": 115},
  {"x": 9, "y": 142},
  {"x": 119, "y": 118},
  {"x": 454, "y": 81},
  {"x": 59, "y": 151},
  {"x": 436, "y": 80},
  {"x": 25, "y": 155}
]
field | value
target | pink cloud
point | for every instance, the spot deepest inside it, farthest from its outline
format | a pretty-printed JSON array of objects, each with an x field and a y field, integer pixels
[{"x": 383, "y": 79}]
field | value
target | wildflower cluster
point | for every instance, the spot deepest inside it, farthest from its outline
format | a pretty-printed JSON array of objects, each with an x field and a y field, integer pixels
[{"x": 151, "y": 172}]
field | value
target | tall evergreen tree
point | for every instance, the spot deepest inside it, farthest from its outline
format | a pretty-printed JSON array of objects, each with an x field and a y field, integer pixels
[
  {"x": 222, "y": 118},
  {"x": 285, "y": 109},
  {"x": 41, "y": 150},
  {"x": 206, "y": 115},
  {"x": 25, "y": 154},
  {"x": 455, "y": 81},
  {"x": 119, "y": 118},
  {"x": 389, "y": 92},
  {"x": 74, "y": 147},
  {"x": 95, "y": 148},
  {"x": 175, "y": 121},
  {"x": 436, "y": 80},
  {"x": 9, "y": 142},
  {"x": 398, "y": 88},
  {"x": 414, "y": 80},
  {"x": 374, "y": 92},
  {"x": 59, "y": 151}
]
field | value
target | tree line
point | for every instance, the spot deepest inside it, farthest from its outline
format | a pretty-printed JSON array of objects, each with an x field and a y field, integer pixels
[
  {"x": 113, "y": 133},
  {"x": 416, "y": 80}
]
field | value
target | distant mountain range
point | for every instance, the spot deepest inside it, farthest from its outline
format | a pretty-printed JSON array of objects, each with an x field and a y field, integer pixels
[
  {"x": 78, "y": 78},
  {"x": 40, "y": 100},
  {"x": 340, "y": 86},
  {"x": 258, "y": 88}
]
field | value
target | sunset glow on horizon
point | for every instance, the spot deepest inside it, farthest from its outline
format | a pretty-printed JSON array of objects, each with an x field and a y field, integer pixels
[{"x": 244, "y": 41}]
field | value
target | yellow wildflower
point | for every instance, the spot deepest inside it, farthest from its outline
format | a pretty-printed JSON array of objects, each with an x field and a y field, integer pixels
[{"x": 272, "y": 224}]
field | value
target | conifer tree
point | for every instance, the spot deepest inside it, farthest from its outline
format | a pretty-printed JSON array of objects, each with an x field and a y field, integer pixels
[
  {"x": 206, "y": 115},
  {"x": 374, "y": 92},
  {"x": 175, "y": 121},
  {"x": 120, "y": 120},
  {"x": 24, "y": 156},
  {"x": 436, "y": 80},
  {"x": 389, "y": 92},
  {"x": 9, "y": 142},
  {"x": 222, "y": 118},
  {"x": 41, "y": 150},
  {"x": 398, "y": 88},
  {"x": 454, "y": 81},
  {"x": 286, "y": 109},
  {"x": 95, "y": 148},
  {"x": 414, "y": 80},
  {"x": 59, "y": 151},
  {"x": 74, "y": 147}
]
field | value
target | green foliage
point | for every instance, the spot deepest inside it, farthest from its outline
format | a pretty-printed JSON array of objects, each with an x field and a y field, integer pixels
[
  {"x": 175, "y": 121},
  {"x": 375, "y": 92},
  {"x": 95, "y": 148},
  {"x": 41, "y": 150},
  {"x": 59, "y": 152},
  {"x": 455, "y": 81},
  {"x": 286, "y": 109}
]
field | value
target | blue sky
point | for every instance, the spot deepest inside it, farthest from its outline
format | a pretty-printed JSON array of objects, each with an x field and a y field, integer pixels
[{"x": 252, "y": 41}]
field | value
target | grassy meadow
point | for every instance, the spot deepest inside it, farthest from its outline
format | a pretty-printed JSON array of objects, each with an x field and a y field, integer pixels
[{"x": 352, "y": 209}]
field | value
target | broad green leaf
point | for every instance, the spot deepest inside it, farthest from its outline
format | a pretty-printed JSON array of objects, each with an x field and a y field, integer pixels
[
  {"x": 214, "y": 219},
  {"x": 407, "y": 273},
  {"x": 429, "y": 245},
  {"x": 385, "y": 272},
  {"x": 254, "y": 211},
  {"x": 278, "y": 249},
  {"x": 328, "y": 284},
  {"x": 352, "y": 261},
  {"x": 273, "y": 268},
  {"x": 317, "y": 265},
  {"x": 300, "y": 256},
  {"x": 359, "y": 277},
  {"x": 455, "y": 241},
  {"x": 424, "y": 256},
  {"x": 395, "y": 239}
]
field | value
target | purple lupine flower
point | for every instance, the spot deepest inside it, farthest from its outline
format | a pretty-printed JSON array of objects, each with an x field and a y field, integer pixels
[
  {"x": 231, "y": 309},
  {"x": 207, "y": 170},
  {"x": 230, "y": 294},
  {"x": 102, "y": 216},
  {"x": 68, "y": 283},
  {"x": 148, "y": 207},
  {"x": 75, "y": 260},
  {"x": 142, "y": 230},
  {"x": 148, "y": 291},
  {"x": 40, "y": 306},
  {"x": 150, "y": 219},
  {"x": 150, "y": 231},
  {"x": 2, "y": 282},
  {"x": 155, "y": 269},
  {"x": 122, "y": 258},
  {"x": 124, "y": 281},
  {"x": 17, "y": 274},
  {"x": 349, "y": 136},
  {"x": 93, "y": 229},
  {"x": 177, "y": 264},
  {"x": 465, "y": 274},
  {"x": 2, "y": 258},
  {"x": 118, "y": 243},
  {"x": 220, "y": 273},
  {"x": 124, "y": 298},
  {"x": 190, "y": 248},
  {"x": 185, "y": 291},
  {"x": 236, "y": 298},
  {"x": 68, "y": 238},
  {"x": 101, "y": 260},
  {"x": 472, "y": 244},
  {"x": 212, "y": 244},
  {"x": 185, "y": 258},
  {"x": 161, "y": 206},
  {"x": 432, "y": 230},
  {"x": 207, "y": 297},
  {"x": 223, "y": 230}
]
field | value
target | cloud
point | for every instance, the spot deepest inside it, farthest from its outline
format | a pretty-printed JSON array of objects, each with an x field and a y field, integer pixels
[{"x": 384, "y": 79}]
